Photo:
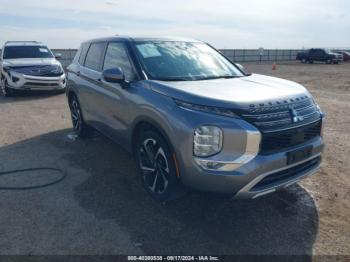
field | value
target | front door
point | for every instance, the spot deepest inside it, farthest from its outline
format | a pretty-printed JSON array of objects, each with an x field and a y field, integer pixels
[{"x": 112, "y": 98}]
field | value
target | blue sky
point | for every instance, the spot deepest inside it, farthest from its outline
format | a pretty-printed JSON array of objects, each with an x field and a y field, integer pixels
[{"x": 223, "y": 23}]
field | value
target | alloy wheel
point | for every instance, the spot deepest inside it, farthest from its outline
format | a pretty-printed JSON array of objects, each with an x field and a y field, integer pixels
[
  {"x": 76, "y": 115},
  {"x": 154, "y": 166}
]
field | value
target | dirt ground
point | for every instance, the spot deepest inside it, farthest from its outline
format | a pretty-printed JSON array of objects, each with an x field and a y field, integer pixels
[{"x": 101, "y": 208}]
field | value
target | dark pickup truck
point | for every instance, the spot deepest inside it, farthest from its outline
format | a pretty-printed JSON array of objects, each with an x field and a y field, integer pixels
[{"x": 319, "y": 55}]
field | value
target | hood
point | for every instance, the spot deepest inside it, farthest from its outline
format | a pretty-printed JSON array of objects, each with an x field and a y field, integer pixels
[
  {"x": 244, "y": 90},
  {"x": 30, "y": 62}
]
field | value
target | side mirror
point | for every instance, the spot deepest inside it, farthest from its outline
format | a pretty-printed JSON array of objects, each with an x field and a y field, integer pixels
[
  {"x": 58, "y": 55},
  {"x": 243, "y": 69},
  {"x": 114, "y": 75}
]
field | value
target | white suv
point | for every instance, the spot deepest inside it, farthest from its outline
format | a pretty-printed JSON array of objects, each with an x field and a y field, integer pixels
[{"x": 29, "y": 65}]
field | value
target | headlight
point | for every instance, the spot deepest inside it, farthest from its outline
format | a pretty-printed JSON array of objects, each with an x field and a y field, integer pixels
[
  {"x": 58, "y": 69},
  {"x": 6, "y": 68},
  {"x": 207, "y": 141},
  {"x": 207, "y": 109},
  {"x": 319, "y": 109}
]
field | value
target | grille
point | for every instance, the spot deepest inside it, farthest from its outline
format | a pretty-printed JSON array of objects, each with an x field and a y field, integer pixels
[
  {"x": 44, "y": 70},
  {"x": 275, "y": 141},
  {"x": 284, "y": 123},
  {"x": 285, "y": 175},
  {"x": 271, "y": 117}
]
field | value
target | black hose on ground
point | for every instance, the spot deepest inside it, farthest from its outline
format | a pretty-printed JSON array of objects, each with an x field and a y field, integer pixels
[{"x": 59, "y": 179}]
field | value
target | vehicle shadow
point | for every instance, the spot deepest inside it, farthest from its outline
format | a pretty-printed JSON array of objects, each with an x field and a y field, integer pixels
[
  {"x": 285, "y": 222},
  {"x": 199, "y": 223}
]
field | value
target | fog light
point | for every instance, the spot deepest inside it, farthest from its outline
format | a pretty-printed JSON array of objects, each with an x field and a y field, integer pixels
[
  {"x": 15, "y": 79},
  {"x": 207, "y": 141},
  {"x": 209, "y": 164}
]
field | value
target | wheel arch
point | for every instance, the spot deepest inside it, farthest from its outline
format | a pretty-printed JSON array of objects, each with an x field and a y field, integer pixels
[
  {"x": 70, "y": 94},
  {"x": 144, "y": 123}
]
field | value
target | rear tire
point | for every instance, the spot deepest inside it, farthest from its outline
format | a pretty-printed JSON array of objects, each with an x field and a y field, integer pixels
[
  {"x": 157, "y": 166},
  {"x": 79, "y": 126}
]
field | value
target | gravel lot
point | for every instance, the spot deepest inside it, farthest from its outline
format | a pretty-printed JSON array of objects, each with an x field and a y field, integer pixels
[{"x": 101, "y": 208}]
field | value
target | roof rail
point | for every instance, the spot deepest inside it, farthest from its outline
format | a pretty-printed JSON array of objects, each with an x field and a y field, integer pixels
[{"x": 22, "y": 42}]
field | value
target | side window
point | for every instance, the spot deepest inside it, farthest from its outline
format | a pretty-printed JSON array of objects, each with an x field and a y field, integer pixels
[
  {"x": 320, "y": 52},
  {"x": 117, "y": 56},
  {"x": 84, "y": 49},
  {"x": 94, "y": 56}
]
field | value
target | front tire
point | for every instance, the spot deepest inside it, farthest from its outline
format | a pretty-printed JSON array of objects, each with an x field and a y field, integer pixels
[
  {"x": 157, "y": 166},
  {"x": 79, "y": 126},
  {"x": 5, "y": 90}
]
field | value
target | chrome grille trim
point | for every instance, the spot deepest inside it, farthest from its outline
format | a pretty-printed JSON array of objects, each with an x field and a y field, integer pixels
[
  {"x": 39, "y": 70},
  {"x": 276, "y": 118}
]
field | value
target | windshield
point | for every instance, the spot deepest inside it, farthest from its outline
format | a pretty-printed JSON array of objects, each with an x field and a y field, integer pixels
[
  {"x": 183, "y": 61},
  {"x": 327, "y": 50},
  {"x": 13, "y": 52}
]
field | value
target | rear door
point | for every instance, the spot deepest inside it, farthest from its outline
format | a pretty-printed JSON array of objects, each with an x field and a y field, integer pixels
[
  {"x": 73, "y": 75},
  {"x": 91, "y": 76}
]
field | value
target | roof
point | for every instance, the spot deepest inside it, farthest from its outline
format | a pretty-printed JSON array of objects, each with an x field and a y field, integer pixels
[
  {"x": 141, "y": 39},
  {"x": 22, "y": 43}
]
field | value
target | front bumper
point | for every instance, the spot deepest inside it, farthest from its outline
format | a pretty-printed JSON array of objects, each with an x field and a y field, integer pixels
[
  {"x": 245, "y": 181},
  {"x": 18, "y": 81},
  {"x": 242, "y": 168},
  {"x": 302, "y": 169},
  {"x": 338, "y": 59}
]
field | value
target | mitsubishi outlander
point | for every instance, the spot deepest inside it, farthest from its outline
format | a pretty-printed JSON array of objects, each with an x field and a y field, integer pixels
[{"x": 192, "y": 117}]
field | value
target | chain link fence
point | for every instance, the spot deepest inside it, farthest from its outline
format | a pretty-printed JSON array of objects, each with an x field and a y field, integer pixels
[
  {"x": 260, "y": 55},
  {"x": 235, "y": 55}
]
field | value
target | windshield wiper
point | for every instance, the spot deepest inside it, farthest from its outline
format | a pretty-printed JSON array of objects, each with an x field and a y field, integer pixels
[
  {"x": 174, "y": 79},
  {"x": 218, "y": 77},
  {"x": 195, "y": 78}
]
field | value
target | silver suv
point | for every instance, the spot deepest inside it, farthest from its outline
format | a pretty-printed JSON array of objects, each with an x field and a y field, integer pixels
[
  {"x": 29, "y": 65},
  {"x": 191, "y": 117}
]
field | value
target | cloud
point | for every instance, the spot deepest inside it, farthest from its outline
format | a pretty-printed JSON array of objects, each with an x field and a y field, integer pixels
[{"x": 223, "y": 23}]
